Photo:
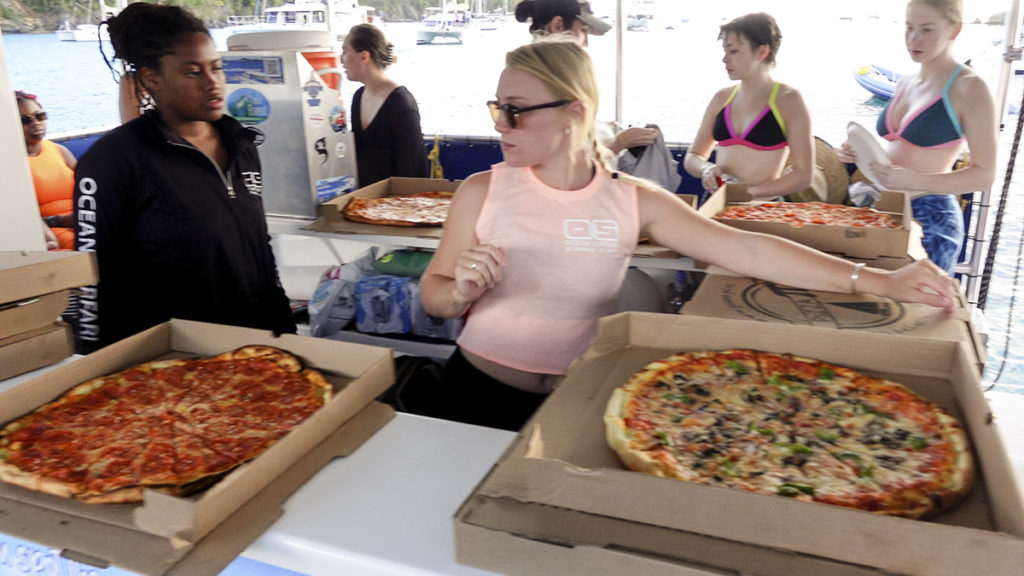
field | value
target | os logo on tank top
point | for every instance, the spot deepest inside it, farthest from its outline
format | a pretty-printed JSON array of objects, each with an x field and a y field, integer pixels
[{"x": 591, "y": 235}]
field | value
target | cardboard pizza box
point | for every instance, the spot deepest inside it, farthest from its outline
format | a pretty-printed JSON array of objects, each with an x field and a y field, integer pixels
[
  {"x": 568, "y": 488},
  {"x": 25, "y": 275},
  {"x": 333, "y": 221},
  {"x": 152, "y": 536},
  {"x": 32, "y": 313},
  {"x": 34, "y": 348},
  {"x": 741, "y": 298},
  {"x": 841, "y": 240}
]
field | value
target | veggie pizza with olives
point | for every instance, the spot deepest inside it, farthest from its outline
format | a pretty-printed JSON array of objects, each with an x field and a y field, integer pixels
[
  {"x": 170, "y": 425},
  {"x": 791, "y": 426}
]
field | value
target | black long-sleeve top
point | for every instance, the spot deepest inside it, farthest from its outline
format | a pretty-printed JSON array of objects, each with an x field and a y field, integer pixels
[
  {"x": 174, "y": 235},
  {"x": 392, "y": 143}
]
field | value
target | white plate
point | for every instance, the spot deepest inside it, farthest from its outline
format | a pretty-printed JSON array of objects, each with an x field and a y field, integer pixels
[{"x": 867, "y": 149}]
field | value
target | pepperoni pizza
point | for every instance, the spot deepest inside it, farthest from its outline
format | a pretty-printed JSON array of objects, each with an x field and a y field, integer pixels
[{"x": 170, "y": 425}]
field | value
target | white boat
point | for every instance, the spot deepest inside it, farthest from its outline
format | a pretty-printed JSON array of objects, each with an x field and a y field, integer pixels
[
  {"x": 82, "y": 33},
  {"x": 335, "y": 16},
  {"x": 443, "y": 23},
  {"x": 87, "y": 32}
]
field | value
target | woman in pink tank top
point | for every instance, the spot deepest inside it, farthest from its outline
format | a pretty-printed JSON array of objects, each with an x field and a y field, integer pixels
[{"x": 536, "y": 248}]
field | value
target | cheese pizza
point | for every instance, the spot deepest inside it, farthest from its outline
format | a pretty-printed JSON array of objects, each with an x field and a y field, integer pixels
[
  {"x": 171, "y": 425},
  {"x": 791, "y": 426},
  {"x": 420, "y": 209},
  {"x": 802, "y": 213}
]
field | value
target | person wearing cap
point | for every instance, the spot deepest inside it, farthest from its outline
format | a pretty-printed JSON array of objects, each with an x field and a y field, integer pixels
[
  {"x": 561, "y": 16},
  {"x": 575, "y": 18}
]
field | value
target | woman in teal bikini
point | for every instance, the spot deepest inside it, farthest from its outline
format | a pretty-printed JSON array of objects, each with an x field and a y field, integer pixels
[
  {"x": 758, "y": 123},
  {"x": 933, "y": 113}
]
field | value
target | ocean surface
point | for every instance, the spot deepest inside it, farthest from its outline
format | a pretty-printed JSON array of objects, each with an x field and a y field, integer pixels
[{"x": 670, "y": 73}]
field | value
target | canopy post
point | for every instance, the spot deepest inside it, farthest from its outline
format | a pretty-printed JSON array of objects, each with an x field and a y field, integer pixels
[
  {"x": 1011, "y": 54},
  {"x": 620, "y": 26}
]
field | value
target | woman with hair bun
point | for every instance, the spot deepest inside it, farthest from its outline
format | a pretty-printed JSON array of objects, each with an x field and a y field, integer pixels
[
  {"x": 171, "y": 201},
  {"x": 572, "y": 17},
  {"x": 385, "y": 118}
]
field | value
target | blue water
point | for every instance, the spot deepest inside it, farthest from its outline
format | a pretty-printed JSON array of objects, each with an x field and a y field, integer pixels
[{"x": 669, "y": 77}]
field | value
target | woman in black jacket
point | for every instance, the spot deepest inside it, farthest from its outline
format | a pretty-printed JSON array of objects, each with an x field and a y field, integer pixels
[{"x": 170, "y": 202}]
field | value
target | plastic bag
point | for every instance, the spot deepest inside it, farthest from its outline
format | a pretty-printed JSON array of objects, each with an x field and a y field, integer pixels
[
  {"x": 382, "y": 304},
  {"x": 333, "y": 306},
  {"x": 424, "y": 324}
]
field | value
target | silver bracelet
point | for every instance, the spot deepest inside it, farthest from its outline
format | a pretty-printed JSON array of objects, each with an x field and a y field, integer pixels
[{"x": 854, "y": 276}]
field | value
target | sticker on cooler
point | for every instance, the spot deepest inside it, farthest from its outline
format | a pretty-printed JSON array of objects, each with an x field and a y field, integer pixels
[
  {"x": 253, "y": 70},
  {"x": 328, "y": 189},
  {"x": 248, "y": 106}
]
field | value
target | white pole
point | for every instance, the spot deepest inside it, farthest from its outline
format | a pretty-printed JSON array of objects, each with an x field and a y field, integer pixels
[
  {"x": 20, "y": 223},
  {"x": 1010, "y": 54},
  {"x": 620, "y": 26}
]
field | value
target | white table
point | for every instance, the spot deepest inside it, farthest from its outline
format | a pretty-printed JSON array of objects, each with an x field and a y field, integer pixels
[{"x": 386, "y": 509}]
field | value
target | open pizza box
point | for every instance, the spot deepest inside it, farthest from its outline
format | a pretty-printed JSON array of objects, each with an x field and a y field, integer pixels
[
  {"x": 201, "y": 533},
  {"x": 334, "y": 221},
  {"x": 560, "y": 484},
  {"x": 723, "y": 295},
  {"x": 841, "y": 240}
]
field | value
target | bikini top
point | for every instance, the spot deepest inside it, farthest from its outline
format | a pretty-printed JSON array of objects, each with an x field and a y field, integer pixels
[
  {"x": 766, "y": 132},
  {"x": 934, "y": 126}
]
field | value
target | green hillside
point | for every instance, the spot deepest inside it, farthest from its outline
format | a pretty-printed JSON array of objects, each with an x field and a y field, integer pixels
[{"x": 47, "y": 15}]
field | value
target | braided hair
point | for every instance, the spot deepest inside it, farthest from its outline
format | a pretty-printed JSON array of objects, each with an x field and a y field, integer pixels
[{"x": 141, "y": 35}]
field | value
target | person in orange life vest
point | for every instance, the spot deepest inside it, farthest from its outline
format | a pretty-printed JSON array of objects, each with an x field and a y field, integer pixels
[{"x": 53, "y": 170}]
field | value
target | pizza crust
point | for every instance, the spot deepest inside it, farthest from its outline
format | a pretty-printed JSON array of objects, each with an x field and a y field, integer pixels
[
  {"x": 620, "y": 440},
  {"x": 13, "y": 475}
]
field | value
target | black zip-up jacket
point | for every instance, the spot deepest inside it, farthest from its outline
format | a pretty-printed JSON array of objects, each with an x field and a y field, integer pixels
[{"x": 174, "y": 235}]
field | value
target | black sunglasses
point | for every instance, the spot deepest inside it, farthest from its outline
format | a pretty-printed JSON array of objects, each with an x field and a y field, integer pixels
[
  {"x": 512, "y": 112},
  {"x": 26, "y": 119}
]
